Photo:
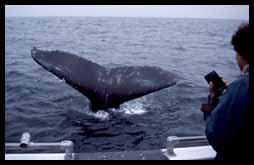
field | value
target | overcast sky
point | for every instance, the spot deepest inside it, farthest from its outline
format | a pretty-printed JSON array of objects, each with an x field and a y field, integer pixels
[{"x": 176, "y": 11}]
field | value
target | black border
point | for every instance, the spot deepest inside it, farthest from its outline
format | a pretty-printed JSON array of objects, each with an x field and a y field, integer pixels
[
  {"x": 2, "y": 64},
  {"x": 128, "y": 2},
  {"x": 251, "y": 86}
]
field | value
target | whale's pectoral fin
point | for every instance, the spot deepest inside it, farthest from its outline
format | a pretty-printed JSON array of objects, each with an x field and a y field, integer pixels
[
  {"x": 132, "y": 82},
  {"x": 83, "y": 75}
]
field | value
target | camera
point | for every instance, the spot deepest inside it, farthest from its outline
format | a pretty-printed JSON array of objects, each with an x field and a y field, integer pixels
[{"x": 219, "y": 85}]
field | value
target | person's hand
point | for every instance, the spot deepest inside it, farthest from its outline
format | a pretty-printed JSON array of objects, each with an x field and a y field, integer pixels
[
  {"x": 225, "y": 81},
  {"x": 211, "y": 87},
  {"x": 211, "y": 91}
]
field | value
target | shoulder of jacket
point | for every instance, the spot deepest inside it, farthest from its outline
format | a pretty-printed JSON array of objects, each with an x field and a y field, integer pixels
[{"x": 240, "y": 81}]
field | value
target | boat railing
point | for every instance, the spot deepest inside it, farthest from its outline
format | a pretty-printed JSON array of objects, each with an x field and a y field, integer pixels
[
  {"x": 177, "y": 148},
  {"x": 174, "y": 141},
  {"x": 26, "y": 144}
]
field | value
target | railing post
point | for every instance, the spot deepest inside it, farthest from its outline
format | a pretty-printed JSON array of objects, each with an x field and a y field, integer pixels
[
  {"x": 25, "y": 140},
  {"x": 67, "y": 145},
  {"x": 171, "y": 142}
]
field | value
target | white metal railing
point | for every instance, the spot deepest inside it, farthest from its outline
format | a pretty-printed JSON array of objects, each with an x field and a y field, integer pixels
[
  {"x": 172, "y": 141},
  {"x": 26, "y": 144},
  {"x": 198, "y": 149}
]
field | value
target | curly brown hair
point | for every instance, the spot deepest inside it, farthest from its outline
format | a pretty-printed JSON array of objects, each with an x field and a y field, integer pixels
[{"x": 241, "y": 41}]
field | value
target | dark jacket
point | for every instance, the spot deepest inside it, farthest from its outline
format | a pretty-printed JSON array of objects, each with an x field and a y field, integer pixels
[{"x": 227, "y": 124}]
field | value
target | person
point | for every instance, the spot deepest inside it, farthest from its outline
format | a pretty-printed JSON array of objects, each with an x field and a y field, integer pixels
[{"x": 227, "y": 120}]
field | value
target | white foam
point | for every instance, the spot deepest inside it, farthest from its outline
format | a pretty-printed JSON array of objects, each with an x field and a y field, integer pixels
[
  {"x": 132, "y": 108},
  {"x": 61, "y": 80},
  {"x": 102, "y": 115},
  {"x": 57, "y": 68}
]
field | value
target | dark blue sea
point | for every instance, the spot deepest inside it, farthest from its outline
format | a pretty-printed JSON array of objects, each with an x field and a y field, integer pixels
[{"x": 39, "y": 103}]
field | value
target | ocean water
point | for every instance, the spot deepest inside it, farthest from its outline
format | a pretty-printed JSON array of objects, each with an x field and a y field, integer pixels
[{"x": 39, "y": 103}]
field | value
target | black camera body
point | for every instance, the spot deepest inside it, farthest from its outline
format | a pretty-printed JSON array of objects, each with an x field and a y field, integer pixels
[{"x": 219, "y": 85}]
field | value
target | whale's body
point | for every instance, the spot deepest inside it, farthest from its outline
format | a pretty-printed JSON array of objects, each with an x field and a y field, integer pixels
[{"x": 105, "y": 88}]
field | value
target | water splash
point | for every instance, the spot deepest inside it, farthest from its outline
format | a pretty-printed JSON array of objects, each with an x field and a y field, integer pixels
[
  {"x": 131, "y": 108},
  {"x": 101, "y": 115}
]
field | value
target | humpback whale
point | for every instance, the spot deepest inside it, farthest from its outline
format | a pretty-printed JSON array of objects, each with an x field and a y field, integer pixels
[{"x": 104, "y": 87}]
